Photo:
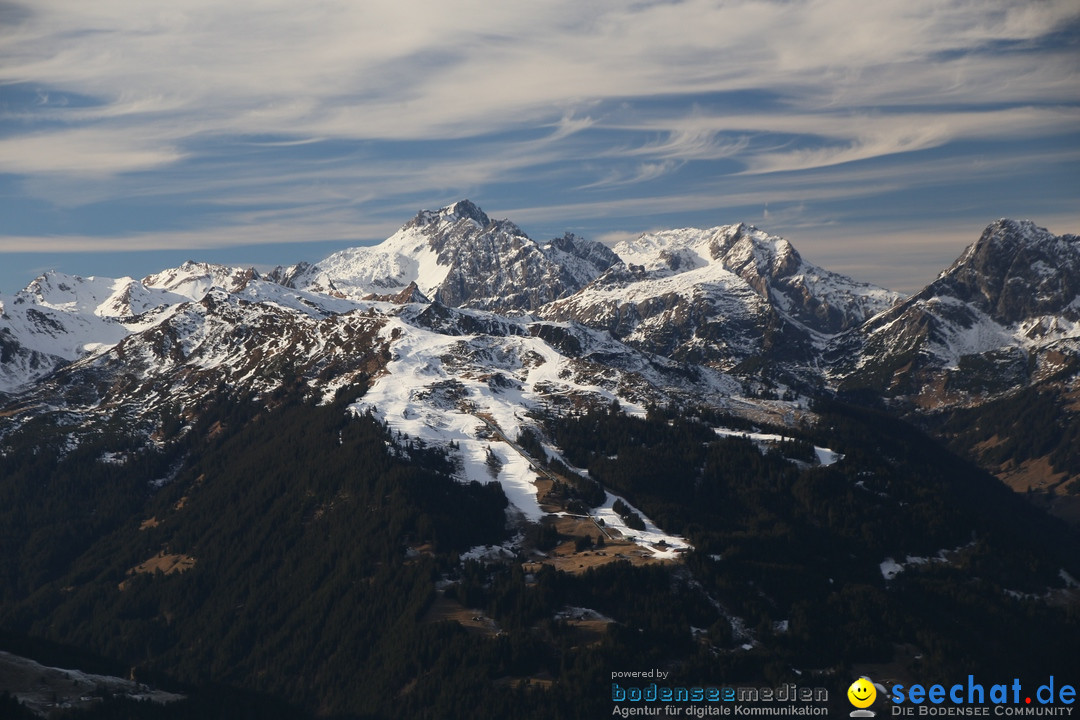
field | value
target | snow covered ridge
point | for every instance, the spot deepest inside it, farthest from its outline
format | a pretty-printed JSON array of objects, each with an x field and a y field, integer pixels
[
  {"x": 466, "y": 325},
  {"x": 460, "y": 257},
  {"x": 721, "y": 296},
  {"x": 732, "y": 298},
  {"x": 770, "y": 266},
  {"x": 717, "y": 296},
  {"x": 59, "y": 319}
]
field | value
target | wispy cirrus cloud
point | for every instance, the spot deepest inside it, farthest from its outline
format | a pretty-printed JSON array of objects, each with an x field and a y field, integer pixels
[
  {"x": 413, "y": 70},
  {"x": 183, "y": 122},
  {"x": 83, "y": 152},
  {"x": 271, "y": 228}
]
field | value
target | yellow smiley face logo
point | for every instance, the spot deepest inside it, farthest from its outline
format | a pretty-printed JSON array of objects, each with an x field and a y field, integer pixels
[{"x": 862, "y": 693}]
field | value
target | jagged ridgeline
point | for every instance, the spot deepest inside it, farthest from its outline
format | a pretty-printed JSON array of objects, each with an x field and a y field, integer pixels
[{"x": 465, "y": 473}]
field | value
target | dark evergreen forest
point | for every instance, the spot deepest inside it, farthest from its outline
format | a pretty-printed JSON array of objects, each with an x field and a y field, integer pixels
[{"x": 321, "y": 542}]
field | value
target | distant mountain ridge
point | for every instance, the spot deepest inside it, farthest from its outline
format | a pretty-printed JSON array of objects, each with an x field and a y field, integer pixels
[
  {"x": 730, "y": 315},
  {"x": 732, "y": 297},
  {"x": 60, "y": 318}
]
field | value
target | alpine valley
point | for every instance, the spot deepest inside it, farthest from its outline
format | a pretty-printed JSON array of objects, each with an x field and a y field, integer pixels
[{"x": 463, "y": 473}]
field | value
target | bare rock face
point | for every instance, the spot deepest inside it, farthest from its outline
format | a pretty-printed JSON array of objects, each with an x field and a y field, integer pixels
[
  {"x": 981, "y": 330},
  {"x": 1016, "y": 271}
]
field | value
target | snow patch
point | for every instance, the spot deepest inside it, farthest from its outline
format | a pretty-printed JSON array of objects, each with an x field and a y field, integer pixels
[
  {"x": 490, "y": 553},
  {"x": 890, "y": 568},
  {"x": 113, "y": 458},
  {"x": 825, "y": 456},
  {"x": 652, "y": 538}
]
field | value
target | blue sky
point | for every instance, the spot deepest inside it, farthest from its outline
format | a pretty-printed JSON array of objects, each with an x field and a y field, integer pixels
[{"x": 879, "y": 137}]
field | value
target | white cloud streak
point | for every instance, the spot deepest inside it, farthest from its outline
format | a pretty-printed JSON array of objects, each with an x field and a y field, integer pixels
[
  {"x": 84, "y": 151},
  {"x": 388, "y": 69},
  {"x": 257, "y": 231}
]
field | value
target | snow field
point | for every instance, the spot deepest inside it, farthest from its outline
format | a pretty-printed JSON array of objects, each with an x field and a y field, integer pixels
[{"x": 420, "y": 397}]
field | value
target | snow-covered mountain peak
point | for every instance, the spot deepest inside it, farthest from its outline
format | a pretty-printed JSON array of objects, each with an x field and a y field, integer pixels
[
  {"x": 665, "y": 251},
  {"x": 59, "y": 318},
  {"x": 734, "y": 247},
  {"x": 768, "y": 265},
  {"x": 451, "y": 214},
  {"x": 414, "y": 255},
  {"x": 72, "y": 293},
  {"x": 193, "y": 279},
  {"x": 745, "y": 248},
  {"x": 1002, "y": 237},
  {"x": 460, "y": 257}
]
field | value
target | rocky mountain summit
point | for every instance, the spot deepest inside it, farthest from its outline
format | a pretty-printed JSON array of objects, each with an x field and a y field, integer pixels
[
  {"x": 459, "y": 257},
  {"x": 1001, "y": 317}
]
